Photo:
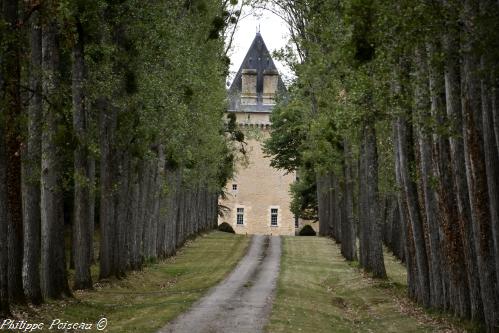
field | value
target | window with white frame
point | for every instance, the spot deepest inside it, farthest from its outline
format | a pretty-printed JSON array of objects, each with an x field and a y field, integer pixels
[
  {"x": 240, "y": 216},
  {"x": 273, "y": 216},
  {"x": 234, "y": 187}
]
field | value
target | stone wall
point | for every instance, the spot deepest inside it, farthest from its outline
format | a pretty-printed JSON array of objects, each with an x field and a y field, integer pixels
[
  {"x": 314, "y": 225},
  {"x": 260, "y": 187}
]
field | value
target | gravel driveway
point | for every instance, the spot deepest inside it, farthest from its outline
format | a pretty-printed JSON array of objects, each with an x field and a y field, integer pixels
[{"x": 242, "y": 302}]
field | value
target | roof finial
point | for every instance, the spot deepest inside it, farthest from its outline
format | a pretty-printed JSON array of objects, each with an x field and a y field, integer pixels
[{"x": 258, "y": 28}]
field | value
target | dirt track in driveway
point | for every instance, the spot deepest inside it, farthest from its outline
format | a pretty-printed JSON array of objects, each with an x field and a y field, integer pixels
[{"x": 242, "y": 302}]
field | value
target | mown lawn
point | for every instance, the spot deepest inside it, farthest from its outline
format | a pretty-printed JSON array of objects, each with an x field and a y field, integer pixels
[
  {"x": 146, "y": 300},
  {"x": 318, "y": 291}
]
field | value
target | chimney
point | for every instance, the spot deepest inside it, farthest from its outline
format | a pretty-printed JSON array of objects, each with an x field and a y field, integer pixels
[
  {"x": 270, "y": 79},
  {"x": 248, "y": 92}
]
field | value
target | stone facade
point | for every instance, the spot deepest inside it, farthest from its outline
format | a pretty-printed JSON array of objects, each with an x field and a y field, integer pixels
[{"x": 258, "y": 188}]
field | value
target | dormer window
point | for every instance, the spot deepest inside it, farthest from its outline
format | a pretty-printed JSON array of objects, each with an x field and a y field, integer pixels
[
  {"x": 270, "y": 80},
  {"x": 248, "y": 93}
]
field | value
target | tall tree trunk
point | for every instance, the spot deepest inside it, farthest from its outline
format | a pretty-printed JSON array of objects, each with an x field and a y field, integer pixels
[
  {"x": 4, "y": 290},
  {"x": 453, "y": 105},
  {"x": 476, "y": 168},
  {"x": 143, "y": 177},
  {"x": 13, "y": 106},
  {"x": 82, "y": 237},
  {"x": 491, "y": 160},
  {"x": 336, "y": 207},
  {"x": 489, "y": 21},
  {"x": 182, "y": 199},
  {"x": 375, "y": 255},
  {"x": 107, "y": 130},
  {"x": 363, "y": 207},
  {"x": 396, "y": 235},
  {"x": 173, "y": 189},
  {"x": 406, "y": 158},
  {"x": 431, "y": 213},
  {"x": 120, "y": 255},
  {"x": 495, "y": 108},
  {"x": 446, "y": 195},
  {"x": 160, "y": 241},
  {"x": 91, "y": 204},
  {"x": 53, "y": 263},
  {"x": 133, "y": 209},
  {"x": 323, "y": 223},
  {"x": 31, "y": 169},
  {"x": 406, "y": 237},
  {"x": 399, "y": 237},
  {"x": 348, "y": 243},
  {"x": 149, "y": 185},
  {"x": 328, "y": 202},
  {"x": 155, "y": 192}
]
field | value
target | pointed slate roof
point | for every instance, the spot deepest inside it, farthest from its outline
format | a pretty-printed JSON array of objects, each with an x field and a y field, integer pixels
[{"x": 257, "y": 58}]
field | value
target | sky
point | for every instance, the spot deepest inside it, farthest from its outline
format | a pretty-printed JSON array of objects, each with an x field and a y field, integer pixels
[{"x": 273, "y": 30}]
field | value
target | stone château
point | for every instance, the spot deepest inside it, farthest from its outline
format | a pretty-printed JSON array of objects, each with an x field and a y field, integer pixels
[{"x": 258, "y": 197}]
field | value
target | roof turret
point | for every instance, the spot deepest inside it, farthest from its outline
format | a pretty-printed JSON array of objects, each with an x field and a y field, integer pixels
[{"x": 258, "y": 63}]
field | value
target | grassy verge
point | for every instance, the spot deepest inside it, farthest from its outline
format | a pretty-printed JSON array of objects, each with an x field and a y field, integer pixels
[
  {"x": 147, "y": 300},
  {"x": 318, "y": 291}
]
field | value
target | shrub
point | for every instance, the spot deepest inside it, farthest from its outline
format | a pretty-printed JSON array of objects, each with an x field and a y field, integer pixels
[
  {"x": 225, "y": 227},
  {"x": 307, "y": 230}
]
